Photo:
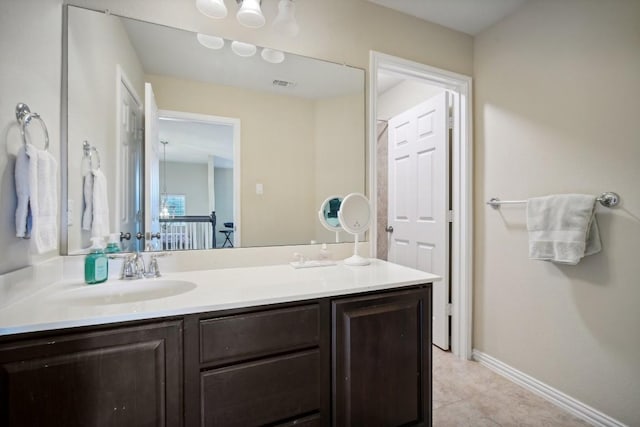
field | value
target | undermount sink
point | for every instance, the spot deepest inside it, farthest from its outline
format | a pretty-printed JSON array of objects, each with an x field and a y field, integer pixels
[{"x": 122, "y": 292}]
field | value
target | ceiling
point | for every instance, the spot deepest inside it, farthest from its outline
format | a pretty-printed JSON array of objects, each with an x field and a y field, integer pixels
[
  {"x": 194, "y": 142},
  {"x": 169, "y": 51},
  {"x": 467, "y": 16}
]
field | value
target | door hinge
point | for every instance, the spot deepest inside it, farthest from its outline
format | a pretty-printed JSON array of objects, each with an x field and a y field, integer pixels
[
  {"x": 449, "y": 309},
  {"x": 449, "y": 216}
]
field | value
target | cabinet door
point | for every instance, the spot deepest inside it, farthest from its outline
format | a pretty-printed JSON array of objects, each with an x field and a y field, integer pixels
[
  {"x": 128, "y": 376},
  {"x": 382, "y": 359}
]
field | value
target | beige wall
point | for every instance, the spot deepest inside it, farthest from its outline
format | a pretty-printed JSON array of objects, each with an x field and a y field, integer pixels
[
  {"x": 339, "y": 160},
  {"x": 92, "y": 99},
  {"x": 190, "y": 180},
  {"x": 557, "y": 102},
  {"x": 404, "y": 96}
]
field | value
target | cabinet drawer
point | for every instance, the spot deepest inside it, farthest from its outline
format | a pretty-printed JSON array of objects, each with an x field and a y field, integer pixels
[
  {"x": 245, "y": 336},
  {"x": 261, "y": 392}
]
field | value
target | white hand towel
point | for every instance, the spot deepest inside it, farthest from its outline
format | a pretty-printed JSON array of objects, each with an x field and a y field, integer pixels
[
  {"x": 100, "y": 224},
  {"x": 43, "y": 199},
  {"x": 23, "y": 214},
  {"x": 87, "y": 191},
  {"x": 562, "y": 228}
]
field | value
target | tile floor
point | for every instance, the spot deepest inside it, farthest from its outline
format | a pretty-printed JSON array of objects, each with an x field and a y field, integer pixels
[{"x": 468, "y": 394}]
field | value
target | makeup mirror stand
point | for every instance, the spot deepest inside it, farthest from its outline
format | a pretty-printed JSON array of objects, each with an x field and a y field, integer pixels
[{"x": 355, "y": 218}]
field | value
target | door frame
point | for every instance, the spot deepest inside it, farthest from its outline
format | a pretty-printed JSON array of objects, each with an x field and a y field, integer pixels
[
  {"x": 220, "y": 120},
  {"x": 461, "y": 183}
]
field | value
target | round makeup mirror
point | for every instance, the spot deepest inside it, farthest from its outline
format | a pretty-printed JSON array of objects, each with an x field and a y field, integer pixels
[
  {"x": 328, "y": 215},
  {"x": 355, "y": 218}
]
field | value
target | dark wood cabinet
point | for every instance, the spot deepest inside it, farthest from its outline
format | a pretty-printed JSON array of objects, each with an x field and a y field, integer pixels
[
  {"x": 382, "y": 359},
  {"x": 265, "y": 367},
  {"x": 361, "y": 360},
  {"x": 128, "y": 376}
]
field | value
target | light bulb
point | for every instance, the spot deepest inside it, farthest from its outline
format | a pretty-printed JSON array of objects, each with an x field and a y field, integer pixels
[
  {"x": 212, "y": 8},
  {"x": 285, "y": 23},
  {"x": 211, "y": 42},
  {"x": 271, "y": 55},
  {"x": 243, "y": 49},
  {"x": 250, "y": 15}
]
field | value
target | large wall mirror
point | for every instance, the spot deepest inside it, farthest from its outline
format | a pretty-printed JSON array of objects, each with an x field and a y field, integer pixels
[{"x": 176, "y": 134}]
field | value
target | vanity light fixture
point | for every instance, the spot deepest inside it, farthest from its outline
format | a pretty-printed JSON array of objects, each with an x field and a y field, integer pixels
[
  {"x": 271, "y": 55},
  {"x": 243, "y": 49},
  {"x": 250, "y": 15},
  {"x": 285, "y": 23},
  {"x": 212, "y": 8},
  {"x": 211, "y": 42}
]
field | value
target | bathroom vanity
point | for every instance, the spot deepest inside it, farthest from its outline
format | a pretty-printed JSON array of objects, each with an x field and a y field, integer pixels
[{"x": 271, "y": 345}]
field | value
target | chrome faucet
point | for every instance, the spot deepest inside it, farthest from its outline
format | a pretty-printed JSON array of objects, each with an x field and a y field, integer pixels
[{"x": 133, "y": 265}]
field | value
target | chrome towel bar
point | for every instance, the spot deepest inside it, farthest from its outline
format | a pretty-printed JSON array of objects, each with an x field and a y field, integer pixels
[{"x": 608, "y": 200}]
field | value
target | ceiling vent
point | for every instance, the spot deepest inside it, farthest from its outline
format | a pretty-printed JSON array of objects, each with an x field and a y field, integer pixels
[{"x": 283, "y": 83}]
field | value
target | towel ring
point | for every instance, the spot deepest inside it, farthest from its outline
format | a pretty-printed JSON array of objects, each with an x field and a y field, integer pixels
[
  {"x": 88, "y": 153},
  {"x": 24, "y": 116}
]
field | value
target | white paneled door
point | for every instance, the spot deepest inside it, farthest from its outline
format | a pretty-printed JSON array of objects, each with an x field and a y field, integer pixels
[
  {"x": 129, "y": 202},
  {"x": 419, "y": 199}
]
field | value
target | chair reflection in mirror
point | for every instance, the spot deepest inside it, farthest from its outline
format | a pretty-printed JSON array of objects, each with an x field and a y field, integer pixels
[
  {"x": 188, "y": 232},
  {"x": 227, "y": 232}
]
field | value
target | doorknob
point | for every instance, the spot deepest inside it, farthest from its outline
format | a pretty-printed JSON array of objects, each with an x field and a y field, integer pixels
[{"x": 389, "y": 229}]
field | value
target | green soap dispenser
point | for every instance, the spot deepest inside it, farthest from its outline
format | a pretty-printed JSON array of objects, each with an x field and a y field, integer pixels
[{"x": 96, "y": 263}]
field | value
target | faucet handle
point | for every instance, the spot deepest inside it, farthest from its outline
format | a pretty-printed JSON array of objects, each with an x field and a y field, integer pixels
[
  {"x": 132, "y": 266},
  {"x": 153, "y": 270}
]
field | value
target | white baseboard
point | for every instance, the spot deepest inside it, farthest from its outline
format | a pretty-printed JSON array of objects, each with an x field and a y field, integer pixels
[{"x": 568, "y": 403}]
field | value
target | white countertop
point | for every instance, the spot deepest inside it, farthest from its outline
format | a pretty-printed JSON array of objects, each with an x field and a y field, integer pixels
[{"x": 220, "y": 289}]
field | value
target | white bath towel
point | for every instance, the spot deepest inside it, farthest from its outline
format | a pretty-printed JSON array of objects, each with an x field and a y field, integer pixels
[
  {"x": 43, "y": 200},
  {"x": 23, "y": 214},
  {"x": 100, "y": 220},
  {"x": 562, "y": 228},
  {"x": 87, "y": 192}
]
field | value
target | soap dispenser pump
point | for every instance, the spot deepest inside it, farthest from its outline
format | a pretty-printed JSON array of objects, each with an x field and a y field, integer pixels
[
  {"x": 114, "y": 244},
  {"x": 96, "y": 263}
]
